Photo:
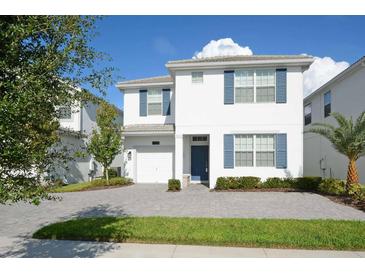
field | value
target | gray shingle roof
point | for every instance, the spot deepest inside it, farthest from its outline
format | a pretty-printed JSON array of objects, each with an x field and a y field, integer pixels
[
  {"x": 149, "y": 128},
  {"x": 239, "y": 58},
  {"x": 150, "y": 80}
]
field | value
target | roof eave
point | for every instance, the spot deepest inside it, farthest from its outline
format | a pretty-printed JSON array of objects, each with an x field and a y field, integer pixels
[
  {"x": 122, "y": 86},
  {"x": 228, "y": 64}
]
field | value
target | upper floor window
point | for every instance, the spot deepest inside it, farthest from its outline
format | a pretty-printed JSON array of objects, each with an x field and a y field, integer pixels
[
  {"x": 308, "y": 114},
  {"x": 154, "y": 102},
  {"x": 65, "y": 112},
  {"x": 244, "y": 86},
  {"x": 265, "y": 86},
  {"x": 197, "y": 77},
  {"x": 327, "y": 104},
  {"x": 254, "y": 86}
]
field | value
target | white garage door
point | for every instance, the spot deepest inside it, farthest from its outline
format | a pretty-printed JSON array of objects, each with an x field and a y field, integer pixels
[{"x": 154, "y": 164}]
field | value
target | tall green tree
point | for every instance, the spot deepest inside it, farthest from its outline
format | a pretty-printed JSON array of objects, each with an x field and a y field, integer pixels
[
  {"x": 106, "y": 141},
  {"x": 43, "y": 61},
  {"x": 348, "y": 139}
]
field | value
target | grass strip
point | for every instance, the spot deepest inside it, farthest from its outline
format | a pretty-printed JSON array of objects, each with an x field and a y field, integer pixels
[{"x": 269, "y": 233}]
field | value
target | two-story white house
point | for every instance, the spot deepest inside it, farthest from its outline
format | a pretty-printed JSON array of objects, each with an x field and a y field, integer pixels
[
  {"x": 345, "y": 93},
  {"x": 212, "y": 117},
  {"x": 76, "y": 125}
]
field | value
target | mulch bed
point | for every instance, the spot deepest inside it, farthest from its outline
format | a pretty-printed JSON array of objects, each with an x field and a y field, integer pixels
[
  {"x": 345, "y": 200},
  {"x": 261, "y": 190}
]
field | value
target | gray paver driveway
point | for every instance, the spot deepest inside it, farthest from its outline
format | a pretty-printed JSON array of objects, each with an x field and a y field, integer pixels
[{"x": 151, "y": 200}]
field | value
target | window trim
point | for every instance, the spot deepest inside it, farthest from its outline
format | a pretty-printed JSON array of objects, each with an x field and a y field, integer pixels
[
  {"x": 254, "y": 86},
  {"x": 161, "y": 102},
  {"x": 65, "y": 119},
  {"x": 192, "y": 77},
  {"x": 310, "y": 105},
  {"x": 253, "y": 151},
  {"x": 324, "y": 104}
]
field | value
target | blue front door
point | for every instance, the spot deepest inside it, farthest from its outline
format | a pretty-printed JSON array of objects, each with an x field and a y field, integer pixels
[{"x": 199, "y": 163}]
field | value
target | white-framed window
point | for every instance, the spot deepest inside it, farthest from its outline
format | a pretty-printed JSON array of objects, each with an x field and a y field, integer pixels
[
  {"x": 243, "y": 147},
  {"x": 254, "y": 150},
  {"x": 244, "y": 86},
  {"x": 327, "y": 104},
  {"x": 265, "y": 86},
  {"x": 255, "y": 86},
  {"x": 154, "y": 102},
  {"x": 265, "y": 150},
  {"x": 65, "y": 112},
  {"x": 197, "y": 77},
  {"x": 308, "y": 114}
]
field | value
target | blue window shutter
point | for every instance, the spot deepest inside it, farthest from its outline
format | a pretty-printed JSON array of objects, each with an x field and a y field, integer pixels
[
  {"x": 166, "y": 102},
  {"x": 281, "y": 150},
  {"x": 281, "y": 85},
  {"x": 228, "y": 150},
  {"x": 143, "y": 102},
  {"x": 228, "y": 87}
]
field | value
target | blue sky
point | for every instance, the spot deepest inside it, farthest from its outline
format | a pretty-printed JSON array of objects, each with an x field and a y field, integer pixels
[{"x": 141, "y": 45}]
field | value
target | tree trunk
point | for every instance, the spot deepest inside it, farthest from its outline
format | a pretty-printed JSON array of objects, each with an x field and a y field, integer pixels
[
  {"x": 107, "y": 174},
  {"x": 352, "y": 175}
]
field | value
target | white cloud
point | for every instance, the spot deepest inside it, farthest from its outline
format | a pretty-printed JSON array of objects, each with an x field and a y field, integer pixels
[
  {"x": 321, "y": 71},
  {"x": 222, "y": 47}
]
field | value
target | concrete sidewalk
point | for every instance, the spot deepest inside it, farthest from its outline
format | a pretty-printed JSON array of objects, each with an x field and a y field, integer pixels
[{"x": 24, "y": 247}]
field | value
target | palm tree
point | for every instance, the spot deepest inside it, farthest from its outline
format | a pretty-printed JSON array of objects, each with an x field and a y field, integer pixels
[{"x": 348, "y": 139}]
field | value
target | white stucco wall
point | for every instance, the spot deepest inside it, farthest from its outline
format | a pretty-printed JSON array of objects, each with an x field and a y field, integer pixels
[
  {"x": 75, "y": 122},
  {"x": 83, "y": 119},
  {"x": 200, "y": 109},
  {"x": 348, "y": 98},
  {"x": 131, "y": 109}
]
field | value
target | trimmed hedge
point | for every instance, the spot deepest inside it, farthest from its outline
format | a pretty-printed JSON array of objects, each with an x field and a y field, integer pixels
[
  {"x": 307, "y": 183},
  {"x": 276, "y": 182},
  {"x": 174, "y": 185},
  {"x": 224, "y": 183},
  {"x": 247, "y": 182},
  {"x": 332, "y": 186},
  {"x": 94, "y": 184}
]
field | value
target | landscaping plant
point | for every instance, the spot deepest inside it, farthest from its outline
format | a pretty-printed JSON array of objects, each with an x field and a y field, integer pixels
[
  {"x": 44, "y": 59},
  {"x": 348, "y": 139},
  {"x": 332, "y": 186},
  {"x": 106, "y": 141},
  {"x": 174, "y": 185}
]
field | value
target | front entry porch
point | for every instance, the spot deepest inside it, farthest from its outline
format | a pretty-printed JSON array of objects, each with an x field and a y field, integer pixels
[{"x": 195, "y": 156}]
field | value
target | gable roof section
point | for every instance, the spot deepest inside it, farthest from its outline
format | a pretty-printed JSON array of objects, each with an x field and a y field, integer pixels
[
  {"x": 359, "y": 63},
  {"x": 158, "y": 80}
]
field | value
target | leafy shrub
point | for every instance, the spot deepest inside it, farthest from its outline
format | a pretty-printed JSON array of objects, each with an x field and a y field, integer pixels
[
  {"x": 112, "y": 182},
  {"x": 112, "y": 173},
  {"x": 226, "y": 183},
  {"x": 275, "y": 182},
  {"x": 174, "y": 185},
  {"x": 307, "y": 183},
  {"x": 332, "y": 186},
  {"x": 237, "y": 182},
  {"x": 360, "y": 195},
  {"x": 354, "y": 190}
]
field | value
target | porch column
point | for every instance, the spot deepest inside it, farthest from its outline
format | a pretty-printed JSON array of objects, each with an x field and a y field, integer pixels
[{"x": 179, "y": 157}]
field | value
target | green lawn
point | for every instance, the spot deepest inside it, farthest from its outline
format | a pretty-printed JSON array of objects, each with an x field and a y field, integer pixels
[
  {"x": 274, "y": 233},
  {"x": 95, "y": 184}
]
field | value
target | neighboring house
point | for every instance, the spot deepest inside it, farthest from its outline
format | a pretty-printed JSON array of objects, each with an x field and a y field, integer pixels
[
  {"x": 76, "y": 125},
  {"x": 345, "y": 93},
  {"x": 212, "y": 117}
]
